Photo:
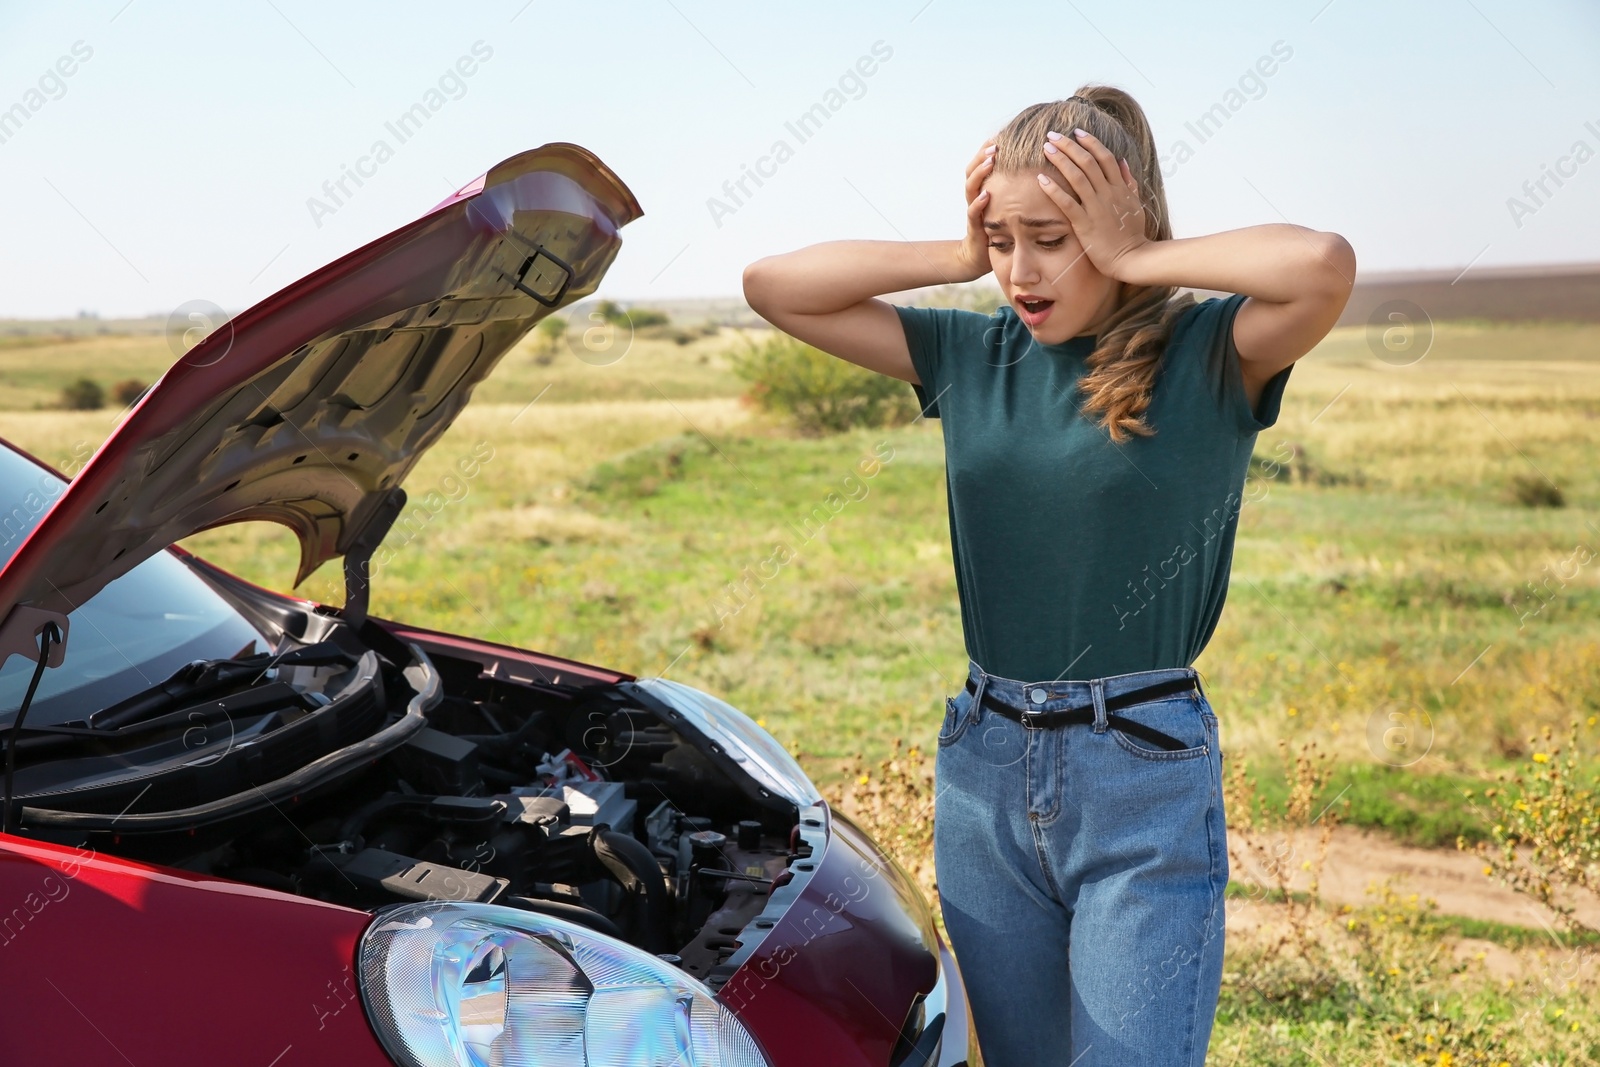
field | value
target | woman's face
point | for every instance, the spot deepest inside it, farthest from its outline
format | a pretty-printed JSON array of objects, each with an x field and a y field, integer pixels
[{"x": 1034, "y": 253}]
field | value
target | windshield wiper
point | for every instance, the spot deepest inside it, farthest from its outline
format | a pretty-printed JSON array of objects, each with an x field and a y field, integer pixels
[
  {"x": 192, "y": 682},
  {"x": 248, "y": 703}
]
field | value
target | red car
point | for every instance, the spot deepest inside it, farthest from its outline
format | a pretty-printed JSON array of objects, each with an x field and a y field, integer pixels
[{"x": 244, "y": 828}]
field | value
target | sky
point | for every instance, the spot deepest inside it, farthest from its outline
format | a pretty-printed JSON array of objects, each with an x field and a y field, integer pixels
[{"x": 160, "y": 153}]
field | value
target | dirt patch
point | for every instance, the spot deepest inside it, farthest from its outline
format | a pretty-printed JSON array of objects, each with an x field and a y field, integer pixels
[{"x": 1357, "y": 858}]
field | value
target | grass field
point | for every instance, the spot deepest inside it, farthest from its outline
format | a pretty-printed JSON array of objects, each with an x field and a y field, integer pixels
[{"x": 1393, "y": 596}]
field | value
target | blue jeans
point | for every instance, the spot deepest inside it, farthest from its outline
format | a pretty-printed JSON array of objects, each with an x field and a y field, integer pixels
[{"x": 1081, "y": 872}]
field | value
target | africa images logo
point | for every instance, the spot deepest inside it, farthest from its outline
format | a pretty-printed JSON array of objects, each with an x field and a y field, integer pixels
[
  {"x": 451, "y": 85},
  {"x": 736, "y": 191}
]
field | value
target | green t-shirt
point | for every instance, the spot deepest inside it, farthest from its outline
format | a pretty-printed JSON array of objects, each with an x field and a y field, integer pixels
[{"x": 1075, "y": 557}]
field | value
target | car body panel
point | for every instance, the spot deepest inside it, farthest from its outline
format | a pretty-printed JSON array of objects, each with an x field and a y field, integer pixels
[
  {"x": 831, "y": 979},
  {"x": 106, "y": 960},
  {"x": 310, "y": 407}
]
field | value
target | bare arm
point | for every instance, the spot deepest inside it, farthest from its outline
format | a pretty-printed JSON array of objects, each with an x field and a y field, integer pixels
[
  {"x": 826, "y": 294},
  {"x": 1296, "y": 280}
]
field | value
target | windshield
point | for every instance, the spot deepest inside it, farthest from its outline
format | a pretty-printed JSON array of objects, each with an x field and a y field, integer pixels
[{"x": 132, "y": 634}]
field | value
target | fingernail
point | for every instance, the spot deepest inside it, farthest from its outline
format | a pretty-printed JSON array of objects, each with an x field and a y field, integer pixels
[
  {"x": 1050, "y": 148},
  {"x": 989, "y": 149},
  {"x": 1081, "y": 133},
  {"x": 1043, "y": 180},
  {"x": 1053, "y": 135},
  {"x": 982, "y": 193}
]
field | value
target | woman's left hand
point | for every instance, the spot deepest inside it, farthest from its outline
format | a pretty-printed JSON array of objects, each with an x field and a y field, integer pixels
[{"x": 1107, "y": 214}]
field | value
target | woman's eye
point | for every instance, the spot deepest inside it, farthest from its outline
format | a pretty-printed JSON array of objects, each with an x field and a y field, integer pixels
[
  {"x": 999, "y": 247},
  {"x": 1057, "y": 243}
]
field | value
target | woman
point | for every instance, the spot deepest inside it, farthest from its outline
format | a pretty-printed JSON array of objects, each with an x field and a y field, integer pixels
[{"x": 1097, "y": 427}]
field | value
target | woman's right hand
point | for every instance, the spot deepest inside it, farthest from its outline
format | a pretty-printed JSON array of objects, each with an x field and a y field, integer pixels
[{"x": 974, "y": 250}]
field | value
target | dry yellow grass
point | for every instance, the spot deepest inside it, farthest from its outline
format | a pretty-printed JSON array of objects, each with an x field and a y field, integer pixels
[
  {"x": 538, "y": 524},
  {"x": 1439, "y": 423}
]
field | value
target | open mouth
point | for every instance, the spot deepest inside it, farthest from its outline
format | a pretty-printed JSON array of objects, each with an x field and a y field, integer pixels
[{"x": 1034, "y": 311}]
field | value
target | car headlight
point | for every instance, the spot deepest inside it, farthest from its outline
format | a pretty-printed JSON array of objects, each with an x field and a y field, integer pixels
[
  {"x": 455, "y": 985},
  {"x": 740, "y": 736}
]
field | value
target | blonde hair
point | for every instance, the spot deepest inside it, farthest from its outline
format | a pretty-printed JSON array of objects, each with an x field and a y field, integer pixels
[{"x": 1128, "y": 347}]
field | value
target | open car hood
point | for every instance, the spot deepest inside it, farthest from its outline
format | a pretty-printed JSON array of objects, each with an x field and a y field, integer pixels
[{"x": 312, "y": 406}]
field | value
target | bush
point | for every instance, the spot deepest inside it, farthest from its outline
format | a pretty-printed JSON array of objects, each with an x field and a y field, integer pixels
[
  {"x": 894, "y": 803},
  {"x": 84, "y": 394},
  {"x": 550, "y": 331},
  {"x": 1290, "y": 462},
  {"x": 819, "y": 392},
  {"x": 638, "y": 318},
  {"x": 128, "y": 391},
  {"x": 1535, "y": 492},
  {"x": 1544, "y": 832},
  {"x": 1293, "y": 962}
]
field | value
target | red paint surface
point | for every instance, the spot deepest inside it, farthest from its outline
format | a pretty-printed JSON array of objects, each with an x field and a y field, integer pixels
[
  {"x": 833, "y": 980},
  {"x": 107, "y": 961}
]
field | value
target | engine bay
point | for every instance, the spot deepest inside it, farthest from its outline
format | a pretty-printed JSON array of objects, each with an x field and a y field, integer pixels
[{"x": 351, "y": 767}]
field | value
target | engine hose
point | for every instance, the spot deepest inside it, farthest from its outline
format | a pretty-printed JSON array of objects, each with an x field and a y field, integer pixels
[
  {"x": 509, "y": 740},
  {"x": 631, "y": 863},
  {"x": 572, "y": 912},
  {"x": 358, "y": 820}
]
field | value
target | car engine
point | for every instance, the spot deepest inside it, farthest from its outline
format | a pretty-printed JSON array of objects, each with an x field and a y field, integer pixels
[{"x": 351, "y": 767}]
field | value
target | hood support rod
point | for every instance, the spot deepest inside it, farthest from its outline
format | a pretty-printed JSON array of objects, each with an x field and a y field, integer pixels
[{"x": 358, "y": 557}]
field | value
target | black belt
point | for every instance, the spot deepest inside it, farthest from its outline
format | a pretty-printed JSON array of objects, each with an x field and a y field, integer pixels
[{"x": 1063, "y": 716}]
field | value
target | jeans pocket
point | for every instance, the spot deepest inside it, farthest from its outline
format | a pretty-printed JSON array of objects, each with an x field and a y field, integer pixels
[
  {"x": 1183, "y": 718},
  {"x": 956, "y": 718}
]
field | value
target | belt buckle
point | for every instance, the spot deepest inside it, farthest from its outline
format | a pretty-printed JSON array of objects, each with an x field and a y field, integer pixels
[{"x": 1027, "y": 717}]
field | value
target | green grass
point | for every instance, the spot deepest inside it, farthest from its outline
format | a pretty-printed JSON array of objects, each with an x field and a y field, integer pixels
[
  {"x": 1425, "y": 810},
  {"x": 1484, "y": 1025},
  {"x": 1513, "y": 936}
]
